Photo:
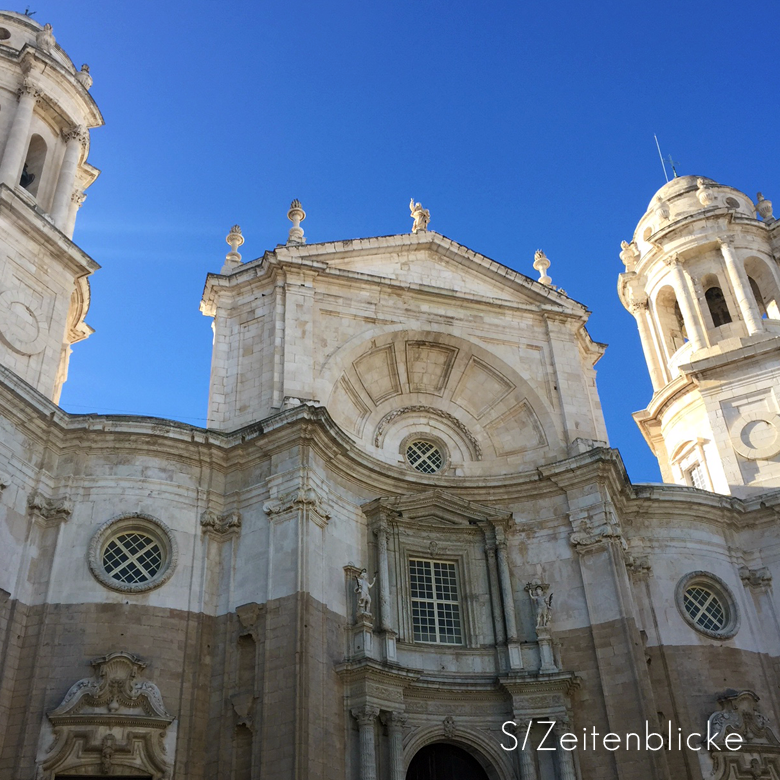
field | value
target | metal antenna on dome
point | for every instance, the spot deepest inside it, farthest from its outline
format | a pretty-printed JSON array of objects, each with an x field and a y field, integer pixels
[{"x": 663, "y": 164}]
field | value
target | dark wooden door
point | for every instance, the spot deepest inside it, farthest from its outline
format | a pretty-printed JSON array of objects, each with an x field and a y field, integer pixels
[{"x": 445, "y": 762}]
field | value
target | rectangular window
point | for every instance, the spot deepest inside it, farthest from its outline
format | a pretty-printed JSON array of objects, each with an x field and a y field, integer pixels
[
  {"x": 435, "y": 607},
  {"x": 695, "y": 476}
]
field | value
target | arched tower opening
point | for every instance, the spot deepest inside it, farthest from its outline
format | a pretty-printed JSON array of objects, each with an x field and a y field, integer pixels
[
  {"x": 764, "y": 287},
  {"x": 716, "y": 301},
  {"x": 670, "y": 320},
  {"x": 32, "y": 170}
]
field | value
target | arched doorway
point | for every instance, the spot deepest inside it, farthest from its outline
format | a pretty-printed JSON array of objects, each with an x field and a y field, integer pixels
[{"x": 442, "y": 761}]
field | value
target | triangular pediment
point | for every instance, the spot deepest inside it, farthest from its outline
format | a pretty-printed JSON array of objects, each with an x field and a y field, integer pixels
[
  {"x": 435, "y": 508},
  {"x": 430, "y": 260}
]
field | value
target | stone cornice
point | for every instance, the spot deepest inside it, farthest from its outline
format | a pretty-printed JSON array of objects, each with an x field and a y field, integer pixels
[
  {"x": 16, "y": 209},
  {"x": 317, "y": 256},
  {"x": 685, "y": 235},
  {"x": 51, "y": 70}
]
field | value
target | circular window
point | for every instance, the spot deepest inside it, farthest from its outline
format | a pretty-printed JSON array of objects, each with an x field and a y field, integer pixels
[
  {"x": 4, "y": 34},
  {"x": 133, "y": 553},
  {"x": 706, "y": 604},
  {"x": 732, "y": 203},
  {"x": 424, "y": 456}
]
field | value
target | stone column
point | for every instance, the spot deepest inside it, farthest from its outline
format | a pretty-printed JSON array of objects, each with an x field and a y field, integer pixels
[
  {"x": 366, "y": 716},
  {"x": 746, "y": 302},
  {"x": 639, "y": 310},
  {"x": 395, "y": 722},
  {"x": 384, "y": 576},
  {"x": 683, "y": 292},
  {"x": 526, "y": 757},
  {"x": 495, "y": 596},
  {"x": 19, "y": 136},
  {"x": 565, "y": 758},
  {"x": 74, "y": 138},
  {"x": 506, "y": 586},
  {"x": 76, "y": 202}
]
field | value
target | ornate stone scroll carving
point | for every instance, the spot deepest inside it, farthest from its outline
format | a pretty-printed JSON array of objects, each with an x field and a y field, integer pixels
[
  {"x": 755, "y": 578},
  {"x": 304, "y": 496},
  {"x": 113, "y": 723},
  {"x": 49, "y": 510},
  {"x": 591, "y": 533},
  {"x": 758, "y": 755},
  {"x": 220, "y": 525},
  {"x": 454, "y": 421}
]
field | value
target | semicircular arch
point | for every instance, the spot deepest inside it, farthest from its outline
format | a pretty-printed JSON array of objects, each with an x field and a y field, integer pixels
[
  {"x": 386, "y": 383},
  {"x": 481, "y": 746}
]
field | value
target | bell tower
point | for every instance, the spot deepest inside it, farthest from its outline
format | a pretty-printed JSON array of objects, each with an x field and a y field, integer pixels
[
  {"x": 46, "y": 114},
  {"x": 703, "y": 283}
]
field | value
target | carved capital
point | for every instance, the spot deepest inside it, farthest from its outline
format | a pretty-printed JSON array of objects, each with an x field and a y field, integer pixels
[
  {"x": 755, "y": 578},
  {"x": 31, "y": 88},
  {"x": 365, "y": 716},
  {"x": 395, "y": 721},
  {"x": 49, "y": 510},
  {"x": 638, "y": 566},
  {"x": 78, "y": 198},
  {"x": 77, "y": 132},
  {"x": 673, "y": 260},
  {"x": 220, "y": 525}
]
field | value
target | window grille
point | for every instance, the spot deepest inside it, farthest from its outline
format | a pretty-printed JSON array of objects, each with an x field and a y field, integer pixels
[
  {"x": 435, "y": 606},
  {"x": 132, "y": 557},
  {"x": 705, "y": 608},
  {"x": 424, "y": 456},
  {"x": 696, "y": 478}
]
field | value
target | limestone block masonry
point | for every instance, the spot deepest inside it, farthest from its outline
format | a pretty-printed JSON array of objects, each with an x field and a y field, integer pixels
[{"x": 403, "y": 526}]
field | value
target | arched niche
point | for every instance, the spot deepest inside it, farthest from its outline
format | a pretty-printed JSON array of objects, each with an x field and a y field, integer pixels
[
  {"x": 32, "y": 170},
  {"x": 764, "y": 285},
  {"x": 382, "y": 388},
  {"x": 111, "y": 724}
]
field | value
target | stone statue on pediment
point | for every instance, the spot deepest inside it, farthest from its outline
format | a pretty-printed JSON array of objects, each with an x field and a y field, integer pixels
[{"x": 420, "y": 216}]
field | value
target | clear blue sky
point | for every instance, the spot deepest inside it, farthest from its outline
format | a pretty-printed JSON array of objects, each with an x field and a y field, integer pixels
[{"x": 519, "y": 125}]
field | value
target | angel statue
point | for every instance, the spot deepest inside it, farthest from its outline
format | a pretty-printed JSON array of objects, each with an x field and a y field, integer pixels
[
  {"x": 420, "y": 216},
  {"x": 363, "y": 590},
  {"x": 542, "y": 602}
]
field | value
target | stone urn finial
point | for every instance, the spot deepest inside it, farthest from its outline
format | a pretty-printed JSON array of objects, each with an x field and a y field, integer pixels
[
  {"x": 704, "y": 193},
  {"x": 84, "y": 77},
  {"x": 541, "y": 264},
  {"x": 234, "y": 240},
  {"x": 296, "y": 215},
  {"x": 764, "y": 208}
]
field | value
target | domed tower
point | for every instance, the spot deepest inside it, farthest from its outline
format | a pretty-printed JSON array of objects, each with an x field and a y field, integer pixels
[
  {"x": 46, "y": 113},
  {"x": 702, "y": 281}
]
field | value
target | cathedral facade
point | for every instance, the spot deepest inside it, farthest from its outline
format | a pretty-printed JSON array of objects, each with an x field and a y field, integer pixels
[{"x": 402, "y": 546}]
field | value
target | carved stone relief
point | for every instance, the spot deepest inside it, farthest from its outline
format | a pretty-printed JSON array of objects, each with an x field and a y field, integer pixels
[{"x": 113, "y": 723}]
